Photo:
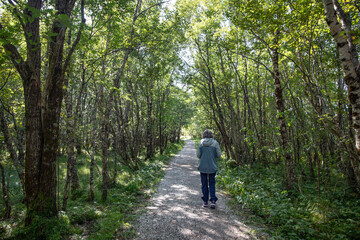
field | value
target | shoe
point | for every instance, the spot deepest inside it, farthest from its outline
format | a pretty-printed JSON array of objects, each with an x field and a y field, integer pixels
[
  {"x": 213, "y": 205},
  {"x": 205, "y": 204}
]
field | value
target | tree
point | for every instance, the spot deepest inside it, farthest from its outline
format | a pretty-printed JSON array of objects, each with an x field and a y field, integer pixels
[
  {"x": 342, "y": 33},
  {"x": 42, "y": 107}
]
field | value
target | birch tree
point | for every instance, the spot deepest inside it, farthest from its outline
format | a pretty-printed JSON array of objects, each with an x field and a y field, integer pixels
[{"x": 340, "y": 25}]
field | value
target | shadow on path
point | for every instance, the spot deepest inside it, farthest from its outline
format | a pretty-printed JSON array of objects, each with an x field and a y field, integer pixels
[{"x": 176, "y": 212}]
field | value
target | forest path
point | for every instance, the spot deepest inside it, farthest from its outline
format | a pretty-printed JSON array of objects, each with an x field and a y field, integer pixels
[{"x": 176, "y": 212}]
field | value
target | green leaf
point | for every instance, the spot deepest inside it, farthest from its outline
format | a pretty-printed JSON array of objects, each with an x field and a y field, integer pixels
[
  {"x": 34, "y": 12},
  {"x": 51, "y": 34},
  {"x": 64, "y": 20}
]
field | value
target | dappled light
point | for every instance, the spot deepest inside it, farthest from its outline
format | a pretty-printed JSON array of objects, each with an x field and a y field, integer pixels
[
  {"x": 176, "y": 211},
  {"x": 98, "y": 97}
]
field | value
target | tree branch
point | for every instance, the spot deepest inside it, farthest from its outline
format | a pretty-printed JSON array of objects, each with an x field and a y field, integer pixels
[
  {"x": 71, "y": 6},
  {"x": 6, "y": 80},
  {"x": 142, "y": 12},
  {"x": 255, "y": 60},
  {"x": 17, "y": 12},
  {"x": 77, "y": 40},
  {"x": 19, "y": 63}
]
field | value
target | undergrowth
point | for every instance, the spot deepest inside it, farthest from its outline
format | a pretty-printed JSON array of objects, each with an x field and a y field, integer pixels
[
  {"x": 112, "y": 219},
  {"x": 306, "y": 213}
]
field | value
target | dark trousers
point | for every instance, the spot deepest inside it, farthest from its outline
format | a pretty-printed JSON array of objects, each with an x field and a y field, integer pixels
[{"x": 208, "y": 183}]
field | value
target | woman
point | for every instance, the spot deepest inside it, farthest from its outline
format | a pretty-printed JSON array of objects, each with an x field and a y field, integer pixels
[{"x": 208, "y": 150}]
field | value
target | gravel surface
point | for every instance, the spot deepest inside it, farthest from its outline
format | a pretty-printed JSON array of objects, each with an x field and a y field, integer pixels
[{"x": 176, "y": 212}]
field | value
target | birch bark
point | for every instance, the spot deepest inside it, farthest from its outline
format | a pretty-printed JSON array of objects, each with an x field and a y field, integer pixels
[{"x": 350, "y": 65}]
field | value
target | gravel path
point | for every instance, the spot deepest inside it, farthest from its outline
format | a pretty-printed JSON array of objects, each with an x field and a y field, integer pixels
[{"x": 176, "y": 212}]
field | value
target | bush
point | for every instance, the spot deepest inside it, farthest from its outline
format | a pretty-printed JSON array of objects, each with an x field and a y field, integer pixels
[
  {"x": 298, "y": 215},
  {"x": 79, "y": 215},
  {"x": 44, "y": 228}
]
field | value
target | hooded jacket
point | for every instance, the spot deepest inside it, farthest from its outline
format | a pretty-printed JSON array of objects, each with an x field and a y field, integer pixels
[{"x": 208, "y": 150}]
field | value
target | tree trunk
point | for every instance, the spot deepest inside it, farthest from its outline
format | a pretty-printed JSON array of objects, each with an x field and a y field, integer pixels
[
  {"x": 115, "y": 163},
  {"x": 93, "y": 149},
  {"x": 5, "y": 194},
  {"x": 66, "y": 187},
  {"x": 105, "y": 141},
  {"x": 92, "y": 165},
  {"x": 72, "y": 120},
  {"x": 70, "y": 143},
  {"x": 350, "y": 64},
  {"x": 217, "y": 112},
  {"x": 350, "y": 174},
  {"x": 51, "y": 108},
  {"x": 14, "y": 158},
  {"x": 42, "y": 115},
  {"x": 284, "y": 139},
  {"x": 149, "y": 124}
]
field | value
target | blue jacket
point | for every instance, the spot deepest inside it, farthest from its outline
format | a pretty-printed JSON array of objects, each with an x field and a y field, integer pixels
[{"x": 208, "y": 150}]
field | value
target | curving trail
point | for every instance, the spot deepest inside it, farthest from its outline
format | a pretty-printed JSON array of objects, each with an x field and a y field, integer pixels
[{"x": 176, "y": 212}]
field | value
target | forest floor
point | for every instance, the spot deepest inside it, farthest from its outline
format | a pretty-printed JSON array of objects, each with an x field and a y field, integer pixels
[{"x": 176, "y": 212}]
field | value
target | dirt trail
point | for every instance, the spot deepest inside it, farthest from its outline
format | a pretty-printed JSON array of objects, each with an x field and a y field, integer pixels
[{"x": 176, "y": 212}]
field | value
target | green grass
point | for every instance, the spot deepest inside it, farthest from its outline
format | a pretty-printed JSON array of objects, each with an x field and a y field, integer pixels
[{"x": 91, "y": 220}]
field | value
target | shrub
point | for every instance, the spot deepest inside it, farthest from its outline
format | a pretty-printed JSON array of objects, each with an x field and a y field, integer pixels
[
  {"x": 44, "y": 228},
  {"x": 298, "y": 215},
  {"x": 80, "y": 215}
]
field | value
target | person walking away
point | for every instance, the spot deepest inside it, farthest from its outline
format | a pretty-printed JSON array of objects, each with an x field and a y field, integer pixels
[{"x": 207, "y": 151}]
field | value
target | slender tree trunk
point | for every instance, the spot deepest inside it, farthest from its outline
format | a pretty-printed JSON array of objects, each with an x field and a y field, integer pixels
[
  {"x": 160, "y": 126},
  {"x": 121, "y": 138},
  {"x": 71, "y": 173},
  {"x": 217, "y": 112},
  {"x": 70, "y": 145},
  {"x": 14, "y": 158},
  {"x": 66, "y": 187},
  {"x": 311, "y": 164},
  {"x": 149, "y": 124},
  {"x": 92, "y": 165},
  {"x": 178, "y": 134},
  {"x": 7, "y": 212},
  {"x": 93, "y": 149},
  {"x": 289, "y": 164},
  {"x": 105, "y": 142},
  {"x": 72, "y": 131},
  {"x": 235, "y": 137},
  {"x": 19, "y": 140},
  {"x": 261, "y": 113},
  {"x": 115, "y": 163}
]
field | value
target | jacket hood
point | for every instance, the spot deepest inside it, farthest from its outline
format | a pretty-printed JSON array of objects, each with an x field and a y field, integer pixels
[{"x": 207, "y": 141}]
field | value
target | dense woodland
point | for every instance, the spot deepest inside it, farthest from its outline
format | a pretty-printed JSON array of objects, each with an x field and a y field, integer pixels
[{"x": 94, "y": 95}]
